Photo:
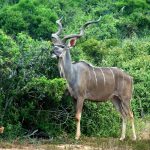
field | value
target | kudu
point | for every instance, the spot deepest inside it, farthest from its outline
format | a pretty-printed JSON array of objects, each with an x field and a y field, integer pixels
[{"x": 95, "y": 83}]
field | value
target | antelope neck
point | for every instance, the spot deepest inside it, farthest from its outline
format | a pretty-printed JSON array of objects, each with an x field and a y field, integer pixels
[{"x": 65, "y": 65}]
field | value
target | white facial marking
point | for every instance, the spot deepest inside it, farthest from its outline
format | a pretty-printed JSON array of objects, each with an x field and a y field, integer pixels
[{"x": 54, "y": 56}]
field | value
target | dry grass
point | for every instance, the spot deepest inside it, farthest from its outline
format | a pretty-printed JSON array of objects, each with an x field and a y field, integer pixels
[{"x": 85, "y": 143}]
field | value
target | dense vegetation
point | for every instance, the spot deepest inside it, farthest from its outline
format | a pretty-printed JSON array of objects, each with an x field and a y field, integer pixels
[{"x": 33, "y": 96}]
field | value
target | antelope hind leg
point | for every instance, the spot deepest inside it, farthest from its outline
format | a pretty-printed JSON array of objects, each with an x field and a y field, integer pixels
[{"x": 117, "y": 103}]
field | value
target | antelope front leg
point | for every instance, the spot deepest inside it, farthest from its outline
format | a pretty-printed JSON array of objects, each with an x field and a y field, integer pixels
[{"x": 79, "y": 106}]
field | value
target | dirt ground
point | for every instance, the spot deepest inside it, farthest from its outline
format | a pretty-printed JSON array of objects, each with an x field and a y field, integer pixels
[
  {"x": 85, "y": 143},
  {"x": 86, "y": 146}
]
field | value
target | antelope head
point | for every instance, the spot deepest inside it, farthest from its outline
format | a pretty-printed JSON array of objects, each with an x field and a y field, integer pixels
[{"x": 61, "y": 45}]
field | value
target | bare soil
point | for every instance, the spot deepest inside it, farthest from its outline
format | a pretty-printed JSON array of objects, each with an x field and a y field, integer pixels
[{"x": 85, "y": 143}]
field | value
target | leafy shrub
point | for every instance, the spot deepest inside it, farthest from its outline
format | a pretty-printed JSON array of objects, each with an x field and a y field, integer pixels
[
  {"x": 100, "y": 119},
  {"x": 31, "y": 17},
  {"x": 93, "y": 49}
]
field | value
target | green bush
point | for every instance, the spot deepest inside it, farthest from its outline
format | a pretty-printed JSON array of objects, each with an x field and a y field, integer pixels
[
  {"x": 29, "y": 16},
  {"x": 100, "y": 119}
]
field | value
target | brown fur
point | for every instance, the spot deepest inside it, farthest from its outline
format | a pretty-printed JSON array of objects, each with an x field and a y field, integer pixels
[{"x": 1, "y": 129}]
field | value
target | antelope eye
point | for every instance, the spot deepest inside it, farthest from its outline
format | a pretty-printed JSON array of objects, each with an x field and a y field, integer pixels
[{"x": 62, "y": 46}]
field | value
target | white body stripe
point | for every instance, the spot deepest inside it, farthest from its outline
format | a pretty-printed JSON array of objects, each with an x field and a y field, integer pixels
[
  {"x": 112, "y": 73},
  {"x": 89, "y": 74},
  {"x": 103, "y": 76},
  {"x": 95, "y": 76},
  {"x": 123, "y": 81}
]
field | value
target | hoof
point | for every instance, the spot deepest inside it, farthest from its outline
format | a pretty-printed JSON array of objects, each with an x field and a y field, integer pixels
[
  {"x": 77, "y": 137},
  {"x": 134, "y": 138},
  {"x": 122, "y": 138}
]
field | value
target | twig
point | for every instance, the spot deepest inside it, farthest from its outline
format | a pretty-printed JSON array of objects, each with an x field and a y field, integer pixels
[{"x": 32, "y": 133}]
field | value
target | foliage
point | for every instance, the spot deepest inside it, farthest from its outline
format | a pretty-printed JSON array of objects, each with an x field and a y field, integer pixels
[
  {"x": 33, "y": 96},
  {"x": 29, "y": 16}
]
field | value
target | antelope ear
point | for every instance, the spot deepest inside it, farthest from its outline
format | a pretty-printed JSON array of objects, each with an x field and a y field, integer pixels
[{"x": 72, "y": 42}]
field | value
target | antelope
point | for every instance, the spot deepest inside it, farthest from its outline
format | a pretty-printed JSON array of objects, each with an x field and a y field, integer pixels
[{"x": 85, "y": 81}]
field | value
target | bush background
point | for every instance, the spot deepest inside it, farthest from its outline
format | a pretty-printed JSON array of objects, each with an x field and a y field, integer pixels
[{"x": 33, "y": 96}]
